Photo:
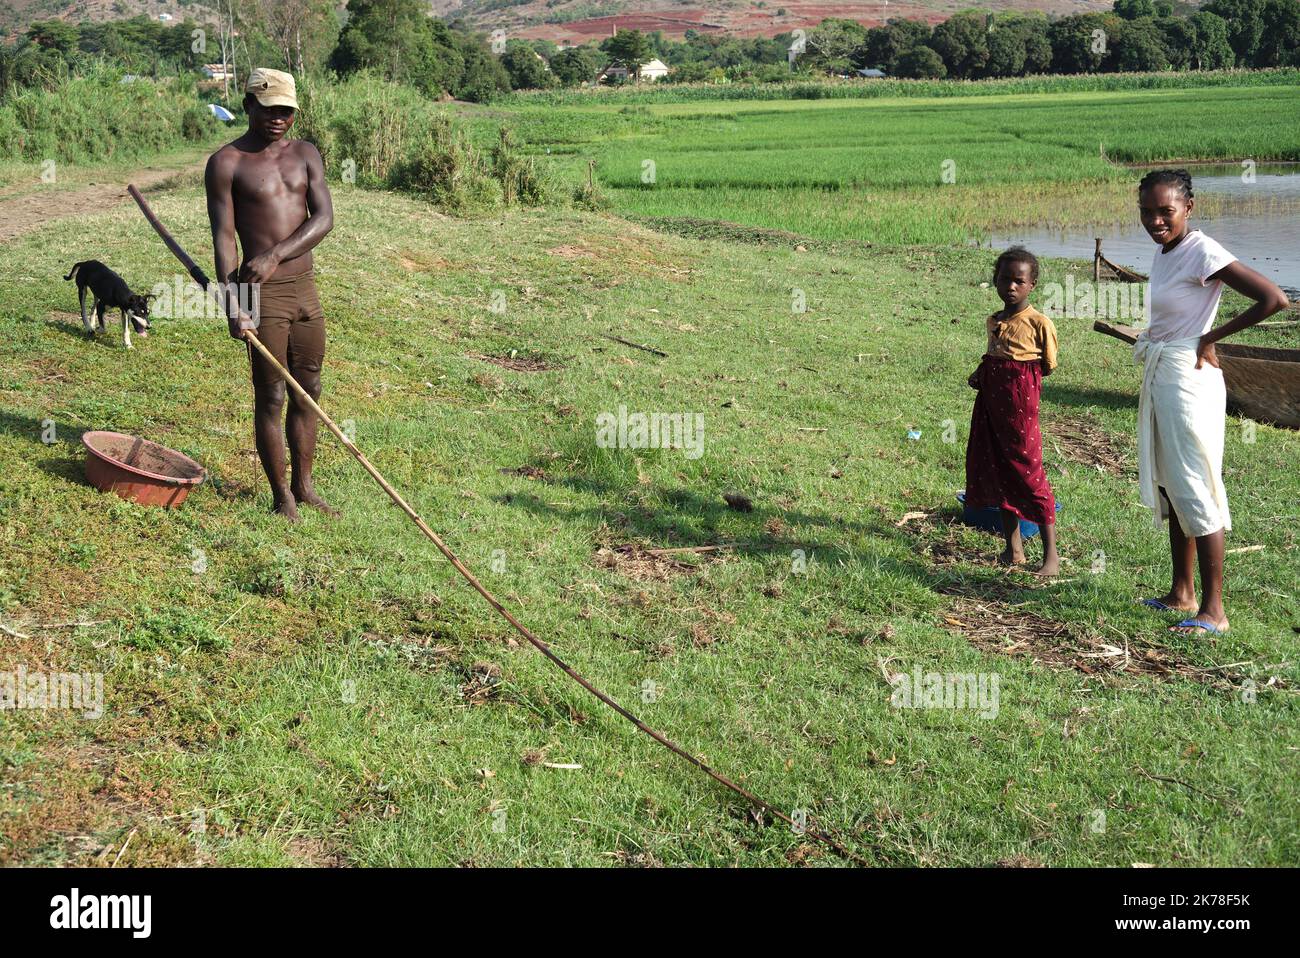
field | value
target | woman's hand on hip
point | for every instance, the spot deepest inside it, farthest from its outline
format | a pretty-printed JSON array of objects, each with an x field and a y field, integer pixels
[{"x": 1205, "y": 353}]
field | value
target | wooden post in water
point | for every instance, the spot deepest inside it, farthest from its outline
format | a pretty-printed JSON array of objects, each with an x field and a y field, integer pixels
[{"x": 1096, "y": 260}]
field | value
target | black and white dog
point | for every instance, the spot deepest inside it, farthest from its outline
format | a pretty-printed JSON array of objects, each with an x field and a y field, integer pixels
[{"x": 110, "y": 292}]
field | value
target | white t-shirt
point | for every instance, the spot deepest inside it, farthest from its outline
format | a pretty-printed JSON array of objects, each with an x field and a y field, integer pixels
[{"x": 1181, "y": 301}]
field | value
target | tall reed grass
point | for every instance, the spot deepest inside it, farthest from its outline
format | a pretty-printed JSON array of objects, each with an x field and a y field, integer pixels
[
  {"x": 103, "y": 116},
  {"x": 385, "y": 135}
]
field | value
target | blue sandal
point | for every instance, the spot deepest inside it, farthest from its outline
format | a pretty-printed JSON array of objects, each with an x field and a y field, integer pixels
[{"x": 1201, "y": 624}]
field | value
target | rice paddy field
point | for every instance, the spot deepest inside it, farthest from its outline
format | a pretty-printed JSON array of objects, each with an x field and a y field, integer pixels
[
  {"x": 889, "y": 88},
  {"x": 330, "y": 694},
  {"x": 907, "y": 170}
]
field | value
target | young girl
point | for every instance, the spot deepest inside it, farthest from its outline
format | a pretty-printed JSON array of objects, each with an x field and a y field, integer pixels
[
  {"x": 1004, "y": 455},
  {"x": 1182, "y": 404}
]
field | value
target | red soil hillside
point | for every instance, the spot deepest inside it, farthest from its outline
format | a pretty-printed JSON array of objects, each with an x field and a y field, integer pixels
[
  {"x": 736, "y": 17},
  {"x": 582, "y": 21}
]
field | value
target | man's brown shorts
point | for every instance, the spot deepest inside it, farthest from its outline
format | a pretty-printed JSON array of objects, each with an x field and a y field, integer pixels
[{"x": 292, "y": 327}]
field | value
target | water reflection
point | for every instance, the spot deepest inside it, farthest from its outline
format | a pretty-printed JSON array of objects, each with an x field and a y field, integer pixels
[{"x": 1257, "y": 218}]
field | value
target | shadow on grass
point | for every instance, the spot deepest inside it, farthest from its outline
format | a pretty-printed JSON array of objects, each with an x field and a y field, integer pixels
[
  {"x": 1076, "y": 396},
  {"x": 924, "y": 554},
  {"x": 65, "y": 458},
  {"x": 694, "y": 519},
  {"x": 100, "y": 340},
  {"x": 690, "y": 519}
]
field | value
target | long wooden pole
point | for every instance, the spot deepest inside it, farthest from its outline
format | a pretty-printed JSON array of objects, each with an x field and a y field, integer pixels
[{"x": 201, "y": 278}]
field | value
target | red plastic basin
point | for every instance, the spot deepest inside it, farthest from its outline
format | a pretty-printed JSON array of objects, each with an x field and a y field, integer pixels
[{"x": 139, "y": 470}]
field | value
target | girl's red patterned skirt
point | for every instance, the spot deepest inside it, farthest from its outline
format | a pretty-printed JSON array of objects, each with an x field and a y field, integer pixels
[{"x": 1004, "y": 455}]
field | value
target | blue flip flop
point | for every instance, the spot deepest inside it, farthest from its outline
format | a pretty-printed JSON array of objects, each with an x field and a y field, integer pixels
[{"x": 1199, "y": 624}]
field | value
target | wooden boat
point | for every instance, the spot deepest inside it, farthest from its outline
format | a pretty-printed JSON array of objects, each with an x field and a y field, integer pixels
[
  {"x": 1102, "y": 268},
  {"x": 1263, "y": 383}
]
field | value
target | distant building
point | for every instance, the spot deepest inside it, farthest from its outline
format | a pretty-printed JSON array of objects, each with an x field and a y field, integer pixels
[
  {"x": 164, "y": 16},
  {"x": 654, "y": 70},
  {"x": 650, "y": 71},
  {"x": 214, "y": 71},
  {"x": 872, "y": 74}
]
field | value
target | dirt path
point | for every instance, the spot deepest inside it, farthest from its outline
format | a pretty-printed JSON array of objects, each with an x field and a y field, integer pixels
[{"x": 31, "y": 211}]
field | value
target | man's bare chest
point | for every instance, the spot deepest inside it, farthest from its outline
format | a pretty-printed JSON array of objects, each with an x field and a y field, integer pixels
[{"x": 271, "y": 180}]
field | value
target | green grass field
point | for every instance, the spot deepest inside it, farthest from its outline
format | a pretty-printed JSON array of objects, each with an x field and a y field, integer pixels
[
  {"x": 906, "y": 170},
  {"x": 314, "y": 695}
]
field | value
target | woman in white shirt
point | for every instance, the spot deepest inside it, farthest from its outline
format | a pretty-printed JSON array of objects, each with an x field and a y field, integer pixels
[{"x": 1182, "y": 407}]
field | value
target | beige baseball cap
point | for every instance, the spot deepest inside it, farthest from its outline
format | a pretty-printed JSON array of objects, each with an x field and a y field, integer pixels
[{"x": 272, "y": 87}]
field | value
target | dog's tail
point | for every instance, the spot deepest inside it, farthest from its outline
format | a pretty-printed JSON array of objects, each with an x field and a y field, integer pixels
[{"x": 75, "y": 266}]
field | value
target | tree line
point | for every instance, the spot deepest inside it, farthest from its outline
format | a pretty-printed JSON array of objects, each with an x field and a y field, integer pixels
[
  {"x": 394, "y": 38},
  {"x": 398, "y": 40},
  {"x": 1137, "y": 35}
]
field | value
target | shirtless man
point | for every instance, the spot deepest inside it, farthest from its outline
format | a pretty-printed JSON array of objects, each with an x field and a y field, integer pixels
[{"x": 272, "y": 192}]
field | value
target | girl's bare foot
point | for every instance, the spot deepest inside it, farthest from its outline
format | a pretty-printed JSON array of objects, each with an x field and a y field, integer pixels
[
  {"x": 1009, "y": 556},
  {"x": 1051, "y": 566},
  {"x": 1176, "y": 603}
]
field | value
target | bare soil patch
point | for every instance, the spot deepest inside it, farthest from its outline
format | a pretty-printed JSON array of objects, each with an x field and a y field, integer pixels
[
  {"x": 572, "y": 252},
  {"x": 527, "y": 472},
  {"x": 1079, "y": 438},
  {"x": 31, "y": 211},
  {"x": 416, "y": 262},
  {"x": 993, "y": 626},
  {"x": 1019, "y": 861},
  {"x": 640, "y": 564},
  {"x": 936, "y": 537},
  {"x": 482, "y": 684},
  {"x": 315, "y": 853},
  {"x": 518, "y": 363}
]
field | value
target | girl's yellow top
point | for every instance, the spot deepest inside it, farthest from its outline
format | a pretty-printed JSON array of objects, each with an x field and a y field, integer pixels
[{"x": 1028, "y": 335}]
